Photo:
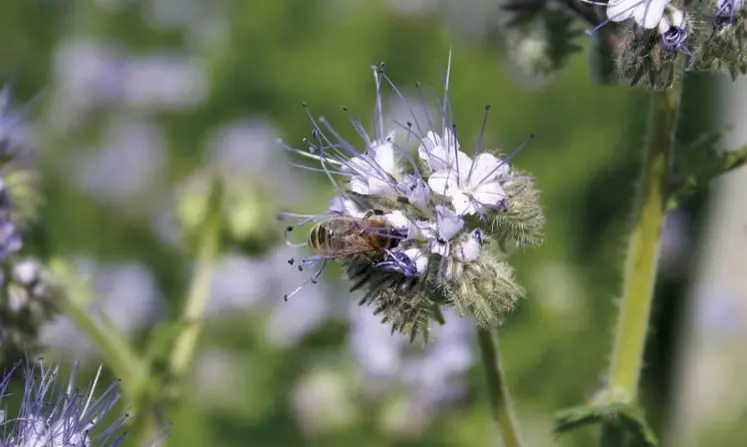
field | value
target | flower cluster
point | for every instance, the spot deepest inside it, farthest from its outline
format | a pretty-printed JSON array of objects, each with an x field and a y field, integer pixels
[
  {"x": 423, "y": 223},
  {"x": 53, "y": 414},
  {"x": 665, "y": 30},
  {"x": 27, "y": 296},
  {"x": 650, "y": 37}
]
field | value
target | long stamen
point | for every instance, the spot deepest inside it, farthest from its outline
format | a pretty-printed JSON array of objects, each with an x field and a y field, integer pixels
[
  {"x": 404, "y": 101},
  {"x": 445, "y": 106},
  {"x": 378, "y": 110},
  {"x": 480, "y": 136},
  {"x": 359, "y": 128},
  {"x": 313, "y": 279}
]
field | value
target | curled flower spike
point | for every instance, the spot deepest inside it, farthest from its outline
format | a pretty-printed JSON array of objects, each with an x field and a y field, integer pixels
[
  {"x": 724, "y": 12},
  {"x": 420, "y": 224},
  {"x": 673, "y": 30},
  {"x": 58, "y": 414}
]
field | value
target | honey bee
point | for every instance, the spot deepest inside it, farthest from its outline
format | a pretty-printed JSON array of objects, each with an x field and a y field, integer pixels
[{"x": 345, "y": 236}]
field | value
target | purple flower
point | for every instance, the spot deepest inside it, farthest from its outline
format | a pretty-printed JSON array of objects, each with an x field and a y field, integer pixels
[
  {"x": 435, "y": 203},
  {"x": 58, "y": 413}
]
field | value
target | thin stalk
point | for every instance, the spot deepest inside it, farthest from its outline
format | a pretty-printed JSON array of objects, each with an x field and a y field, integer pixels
[
  {"x": 500, "y": 401},
  {"x": 643, "y": 249},
  {"x": 185, "y": 343}
]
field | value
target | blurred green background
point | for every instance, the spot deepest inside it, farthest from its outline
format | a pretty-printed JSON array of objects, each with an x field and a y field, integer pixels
[{"x": 137, "y": 96}]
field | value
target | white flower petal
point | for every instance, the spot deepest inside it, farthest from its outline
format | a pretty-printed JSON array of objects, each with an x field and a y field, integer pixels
[
  {"x": 397, "y": 219},
  {"x": 489, "y": 194},
  {"x": 359, "y": 185},
  {"x": 418, "y": 258},
  {"x": 463, "y": 204},
  {"x": 439, "y": 248},
  {"x": 443, "y": 182},
  {"x": 648, "y": 13},
  {"x": 427, "y": 145},
  {"x": 462, "y": 163},
  {"x": 383, "y": 155},
  {"x": 379, "y": 187},
  {"x": 621, "y": 10},
  {"x": 469, "y": 249},
  {"x": 419, "y": 194},
  {"x": 678, "y": 18},
  {"x": 487, "y": 167},
  {"x": 449, "y": 223},
  {"x": 664, "y": 25},
  {"x": 345, "y": 206}
]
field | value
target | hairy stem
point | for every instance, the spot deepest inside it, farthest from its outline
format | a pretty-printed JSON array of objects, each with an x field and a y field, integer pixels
[
  {"x": 499, "y": 399},
  {"x": 643, "y": 249}
]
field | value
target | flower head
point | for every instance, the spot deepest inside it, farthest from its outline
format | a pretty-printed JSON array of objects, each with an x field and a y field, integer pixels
[
  {"x": 54, "y": 414},
  {"x": 27, "y": 298},
  {"x": 673, "y": 29},
  {"x": 725, "y": 12},
  {"x": 419, "y": 224}
]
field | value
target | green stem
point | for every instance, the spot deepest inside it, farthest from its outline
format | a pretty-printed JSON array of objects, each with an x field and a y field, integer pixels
[
  {"x": 500, "y": 402},
  {"x": 643, "y": 249},
  {"x": 117, "y": 353},
  {"x": 185, "y": 343}
]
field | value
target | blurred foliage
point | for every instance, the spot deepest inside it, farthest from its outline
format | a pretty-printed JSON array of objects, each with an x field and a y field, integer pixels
[{"x": 272, "y": 56}]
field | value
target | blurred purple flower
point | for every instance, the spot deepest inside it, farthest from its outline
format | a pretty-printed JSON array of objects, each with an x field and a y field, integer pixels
[
  {"x": 88, "y": 72},
  {"x": 173, "y": 14},
  {"x": 431, "y": 375},
  {"x": 247, "y": 147},
  {"x": 54, "y": 414},
  {"x": 717, "y": 311},
  {"x": 243, "y": 283},
  {"x": 164, "y": 81},
  {"x": 126, "y": 295},
  {"x": 127, "y": 165}
]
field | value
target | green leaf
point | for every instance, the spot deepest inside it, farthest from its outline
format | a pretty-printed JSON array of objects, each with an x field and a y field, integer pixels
[
  {"x": 700, "y": 162},
  {"x": 627, "y": 417}
]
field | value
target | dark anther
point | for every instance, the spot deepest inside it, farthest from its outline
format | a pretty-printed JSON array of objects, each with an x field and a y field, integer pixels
[
  {"x": 487, "y": 107},
  {"x": 304, "y": 105},
  {"x": 344, "y": 108},
  {"x": 291, "y": 261},
  {"x": 289, "y": 228},
  {"x": 300, "y": 268},
  {"x": 285, "y": 298}
]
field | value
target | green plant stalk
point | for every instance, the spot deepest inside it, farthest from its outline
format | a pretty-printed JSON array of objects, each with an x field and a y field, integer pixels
[
  {"x": 500, "y": 401},
  {"x": 643, "y": 248},
  {"x": 117, "y": 353},
  {"x": 185, "y": 342}
]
